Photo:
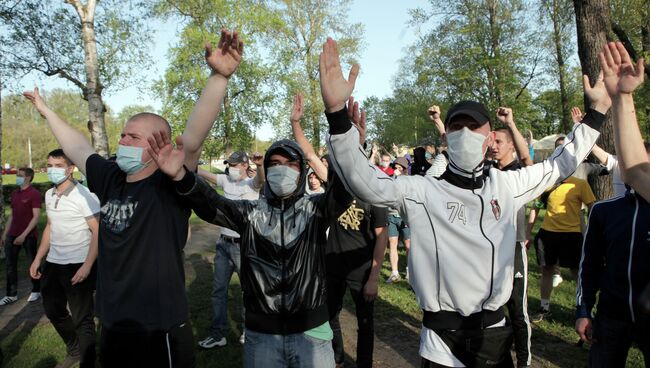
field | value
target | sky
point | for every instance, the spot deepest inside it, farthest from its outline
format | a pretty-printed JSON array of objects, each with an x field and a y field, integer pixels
[{"x": 386, "y": 36}]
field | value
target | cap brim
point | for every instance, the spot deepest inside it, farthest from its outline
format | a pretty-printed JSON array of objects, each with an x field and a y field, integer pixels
[{"x": 471, "y": 113}]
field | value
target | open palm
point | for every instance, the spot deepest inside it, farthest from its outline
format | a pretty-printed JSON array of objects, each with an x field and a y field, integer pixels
[
  {"x": 334, "y": 88},
  {"x": 621, "y": 75},
  {"x": 168, "y": 158},
  {"x": 226, "y": 58}
]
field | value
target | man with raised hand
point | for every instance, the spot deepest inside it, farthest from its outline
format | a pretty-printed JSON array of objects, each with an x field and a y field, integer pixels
[
  {"x": 461, "y": 259},
  {"x": 283, "y": 253},
  {"x": 235, "y": 184},
  {"x": 622, "y": 77},
  {"x": 141, "y": 299},
  {"x": 507, "y": 141}
]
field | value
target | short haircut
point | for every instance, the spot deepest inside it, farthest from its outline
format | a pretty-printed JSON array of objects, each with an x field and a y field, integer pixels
[
  {"x": 153, "y": 117},
  {"x": 507, "y": 132},
  {"x": 29, "y": 172},
  {"x": 58, "y": 153},
  {"x": 560, "y": 139}
]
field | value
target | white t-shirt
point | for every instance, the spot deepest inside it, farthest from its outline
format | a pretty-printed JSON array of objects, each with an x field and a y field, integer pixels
[
  {"x": 68, "y": 213},
  {"x": 236, "y": 190}
]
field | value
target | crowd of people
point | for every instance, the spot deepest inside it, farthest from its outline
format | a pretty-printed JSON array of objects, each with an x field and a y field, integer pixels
[{"x": 301, "y": 228}]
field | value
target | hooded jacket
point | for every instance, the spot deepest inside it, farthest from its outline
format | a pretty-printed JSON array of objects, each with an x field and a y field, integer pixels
[{"x": 283, "y": 244}]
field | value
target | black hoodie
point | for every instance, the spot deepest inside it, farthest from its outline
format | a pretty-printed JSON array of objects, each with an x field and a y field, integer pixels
[{"x": 282, "y": 246}]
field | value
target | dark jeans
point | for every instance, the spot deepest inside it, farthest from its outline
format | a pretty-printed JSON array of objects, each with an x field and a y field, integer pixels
[
  {"x": 12, "y": 251},
  {"x": 126, "y": 349},
  {"x": 614, "y": 339},
  {"x": 518, "y": 307},
  {"x": 336, "y": 287},
  {"x": 226, "y": 261},
  {"x": 77, "y": 328}
]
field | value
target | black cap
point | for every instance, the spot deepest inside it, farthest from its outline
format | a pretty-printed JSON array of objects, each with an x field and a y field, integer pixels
[
  {"x": 473, "y": 109},
  {"x": 239, "y": 157}
]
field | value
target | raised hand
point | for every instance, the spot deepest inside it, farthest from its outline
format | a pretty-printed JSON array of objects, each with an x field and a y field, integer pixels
[
  {"x": 298, "y": 109},
  {"x": 258, "y": 159},
  {"x": 620, "y": 74},
  {"x": 226, "y": 58},
  {"x": 333, "y": 87},
  {"x": 597, "y": 95},
  {"x": 504, "y": 115},
  {"x": 36, "y": 99},
  {"x": 434, "y": 113},
  {"x": 576, "y": 114},
  {"x": 168, "y": 158},
  {"x": 358, "y": 119}
]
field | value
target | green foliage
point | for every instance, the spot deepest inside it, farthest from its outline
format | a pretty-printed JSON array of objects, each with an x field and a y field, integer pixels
[
  {"x": 250, "y": 96},
  {"x": 295, "y": 46}
]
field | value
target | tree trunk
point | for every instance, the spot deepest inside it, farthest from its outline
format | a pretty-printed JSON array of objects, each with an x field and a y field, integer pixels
[
  {"x": 93, "y": 89},
  {"x": 227, "y": 126},
  {"x": 593, "y": 26},
  {"x": 496, "y": 49},
  {"x": 314, "y": 96},
  {"x": 561, "y": 67}
]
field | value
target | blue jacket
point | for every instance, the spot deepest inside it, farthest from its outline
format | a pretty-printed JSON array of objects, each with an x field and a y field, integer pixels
[{"x": 615, "y": 258}]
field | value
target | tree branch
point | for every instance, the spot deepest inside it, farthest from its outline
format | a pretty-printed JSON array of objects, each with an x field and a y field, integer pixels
[
  {"x": 622, "y": 36},
  {"x": 78, "y": 7}
]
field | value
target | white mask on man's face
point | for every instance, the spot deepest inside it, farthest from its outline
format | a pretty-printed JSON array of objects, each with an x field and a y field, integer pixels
[
  {"x": 234, "y": 173},
  {"x": 465, "y": 149}
]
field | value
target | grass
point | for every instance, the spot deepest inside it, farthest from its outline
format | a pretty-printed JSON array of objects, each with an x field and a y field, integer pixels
[
  {"x": 397, "y": 317},
  {"x": 39, "y": 177}
]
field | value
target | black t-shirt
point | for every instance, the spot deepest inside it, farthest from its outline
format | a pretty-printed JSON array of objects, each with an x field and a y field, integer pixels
[
  {"x": 142, "y": 232},
  {"x": 351, "y": 240}
]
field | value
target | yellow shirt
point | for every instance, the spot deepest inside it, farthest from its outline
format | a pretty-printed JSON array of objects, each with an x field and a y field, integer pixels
[{"x": 564, "y": 205}]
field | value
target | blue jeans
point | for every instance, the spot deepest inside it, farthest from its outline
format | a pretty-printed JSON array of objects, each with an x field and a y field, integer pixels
[
  {"x": 226, "y": 261},
  {"x": 291, "y": 351}
]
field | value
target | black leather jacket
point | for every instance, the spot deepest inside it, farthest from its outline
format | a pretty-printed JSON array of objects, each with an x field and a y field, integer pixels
[{"x": 282, "y": 246}]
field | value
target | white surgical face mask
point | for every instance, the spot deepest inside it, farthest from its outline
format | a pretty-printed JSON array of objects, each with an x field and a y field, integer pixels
[
  {"x": 233, "y": 173},
  {"x": 282, "y": 180},
  {"x": 385, "y": 164},
  {"x": 465, "y": 149}
]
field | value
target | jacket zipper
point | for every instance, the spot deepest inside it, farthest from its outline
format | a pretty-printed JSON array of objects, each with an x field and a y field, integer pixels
[{"x": 480, "y": 222}]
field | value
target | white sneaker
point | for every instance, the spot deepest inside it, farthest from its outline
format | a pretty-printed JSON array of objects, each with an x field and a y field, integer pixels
[
  {"x": 210, "y": 342},
  {"x": 557, "y": 280},
  {"x": 34, "y": 297},
  {"x": 8, "y": 300},
  {"x": 242, "y": 338},
  {"x": 394, "y": 277}
]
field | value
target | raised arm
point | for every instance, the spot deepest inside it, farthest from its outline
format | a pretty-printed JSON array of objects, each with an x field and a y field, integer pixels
[
  {"x": 74, "y": 144},
  {"x": 504, "y": 114},
  {"x": 621, "y": 79},
  {"x": 364, "y": 180},
  {"x": 310, "y": 155},
  {"x": 434, "y": 116},
  {"x": 223, "y": 62},
  {"x": 530, "y": 182},
  {"x": 212, "y": 178}
]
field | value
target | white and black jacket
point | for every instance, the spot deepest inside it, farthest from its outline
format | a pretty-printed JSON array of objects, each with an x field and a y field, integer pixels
[
  {"x": 615, "y": 258},
  {"x": 462, "y": 253}
]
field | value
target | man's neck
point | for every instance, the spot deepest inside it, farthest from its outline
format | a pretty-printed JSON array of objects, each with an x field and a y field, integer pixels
[
  {"x": 25, "y": 186},
  {"x": 64, "y": 186},
  {"x": 507, "y": 160},
  {"x": 142, "y": 174}
]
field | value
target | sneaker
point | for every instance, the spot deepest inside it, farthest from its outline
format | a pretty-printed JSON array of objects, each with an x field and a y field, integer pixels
[
  {"x": 540, "y": 315},
  {"x": 8, "y": 300},
  {"x": 34, "y": 297},
  {"x": 210, "y": 342},
  {"x": 242, "y": 338},
  {"x": 395, "y": 277},
  {"x": 557, "y": 280}
]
